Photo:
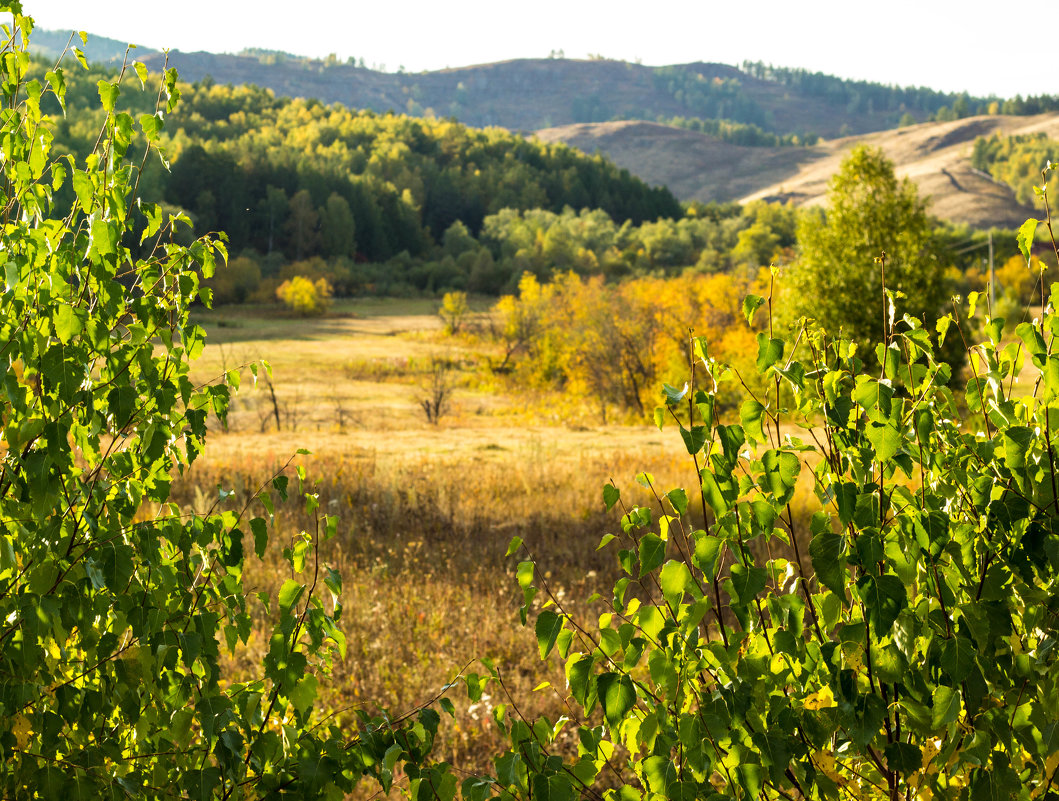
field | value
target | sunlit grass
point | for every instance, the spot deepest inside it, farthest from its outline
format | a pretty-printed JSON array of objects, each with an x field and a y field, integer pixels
[{"x": 426, "y": 511}]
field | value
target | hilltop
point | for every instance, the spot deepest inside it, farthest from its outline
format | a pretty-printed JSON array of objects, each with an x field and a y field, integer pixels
[
  {"x": 936, "y": 155},
  {"x": 530, "y": 94}
]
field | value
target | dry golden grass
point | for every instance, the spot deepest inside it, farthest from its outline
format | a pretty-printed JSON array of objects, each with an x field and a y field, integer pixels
[{"x": 426, "y": 512}]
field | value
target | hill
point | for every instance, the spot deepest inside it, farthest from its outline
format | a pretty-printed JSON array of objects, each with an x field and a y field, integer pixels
[
  {"x": 98, "y": 49},
  {"x": 937, "y": 156},
  {"x": 529, "y": 94},
  {"x": 692, "y": 165}
]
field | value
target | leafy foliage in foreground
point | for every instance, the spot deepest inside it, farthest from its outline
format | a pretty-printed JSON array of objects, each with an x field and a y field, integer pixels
[
  {"x": 115, "y": 603},
  {"x": 902, "y": 647}
]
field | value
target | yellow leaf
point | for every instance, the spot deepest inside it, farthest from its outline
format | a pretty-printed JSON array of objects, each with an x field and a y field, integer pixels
[
  {"x": 854, "y": 656},
  {"x": 931, "y": 748},
  {"x": 22, "y": 730},
  {"x": 827, "y": 765},
  {"x": 821, "y": 699}
]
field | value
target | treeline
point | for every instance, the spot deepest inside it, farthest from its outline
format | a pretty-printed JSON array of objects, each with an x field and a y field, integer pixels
[
  {"x": 741, "y": 133},
  {"x": 855, "y": 96},
  {"x": 561, "y": 333},
  {"x": 395, "y": 205},
  {"x": 865, "y": 97},
  {"x": 708, "y": 239},
  {"x": 1017, "y": 162}
]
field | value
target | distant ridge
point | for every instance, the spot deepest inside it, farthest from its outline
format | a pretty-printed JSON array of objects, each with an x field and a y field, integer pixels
[
  {"x": 98, "y": 49},
  {"x": 529, "y": 94},
  {"x": 936, "y": 155}
]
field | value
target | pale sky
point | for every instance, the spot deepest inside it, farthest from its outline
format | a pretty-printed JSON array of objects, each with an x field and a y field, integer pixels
[{"x": 981, "y": 47}]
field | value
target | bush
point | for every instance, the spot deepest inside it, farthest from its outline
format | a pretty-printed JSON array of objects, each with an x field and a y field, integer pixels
[
  {"x": 898, "y": 643},
  {"x": 116, "y": 604},
  {"x": 453, "y": 311},
  {"x": 304, "y": 297}
]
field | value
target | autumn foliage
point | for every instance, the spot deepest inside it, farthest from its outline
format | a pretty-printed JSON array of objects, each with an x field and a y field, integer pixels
[{"x": 614, "y": 343}]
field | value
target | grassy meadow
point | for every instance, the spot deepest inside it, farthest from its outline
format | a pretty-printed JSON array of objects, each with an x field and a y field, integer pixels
[{"x": 426, "y": 511}]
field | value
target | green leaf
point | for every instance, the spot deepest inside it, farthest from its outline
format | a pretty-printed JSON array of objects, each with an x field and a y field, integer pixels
[
  {"x": 260, "y": 532},
  {"x": 1025, "y": 236},
  {"x": 660, "y": 773},
  {"x": 732, "y": 440},
  {"x": 84, "y": 189},
  {"x": 104, "y": 237},
  {"x": 67, "y": 323},
  {"x": 547, "y": 628},
  {"x": 903, "y": 758},
  {"x": 884, "y": 597},
  {"x": 885, "y": 440},
  {"x": 513, "y": 546},
  {"x": 660, "y": 417},
  {"x": 108, "y": 93},
  {"x": 674, "y": 580},
  {"x": 611, "y": 495},
  {"x": 957, "y": 658},
  {"x": 750, "y": 416},
  {"x": 747, "y": 583},
  {"x": 679, "y": 499},
  {"x": 289, "y": 593},
  {"x": 673, "y": 395},
  {"x": 946, "y": 707},
  {"x": 1018, "y": 440},
  {"x": 769, "y": 351},
  {"x": 652, "y": 552},
  {"x": 716, "y": 496},
  {"x": 1035, "y": 344},
  {"x": 694, "y": 439},
  {"x": 827, "y": 552},
  {"x": 617, "y": 696},
  {"x": 781, "y": 474},
  {"x": 579, "y": 677},
  {"x": 707, "y": 551},
  {"x": 152, "y": 126},
  {"x": 704, "y": 405},
  {"x": 303, "y": 694},
  {"x": 751, "y": 303}
]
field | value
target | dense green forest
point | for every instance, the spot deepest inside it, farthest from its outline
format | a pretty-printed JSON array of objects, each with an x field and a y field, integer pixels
[{"x": 295, "y": 179}]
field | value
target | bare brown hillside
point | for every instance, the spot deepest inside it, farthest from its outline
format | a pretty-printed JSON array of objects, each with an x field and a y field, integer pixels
[
  {"x": 528, "y": 94},
  {"x": 692, "y": 165},
  {"x": 937, "y": 156}
]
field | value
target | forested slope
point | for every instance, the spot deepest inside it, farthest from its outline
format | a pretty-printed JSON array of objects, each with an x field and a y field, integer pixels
[{"x": 305, "y": 179}]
